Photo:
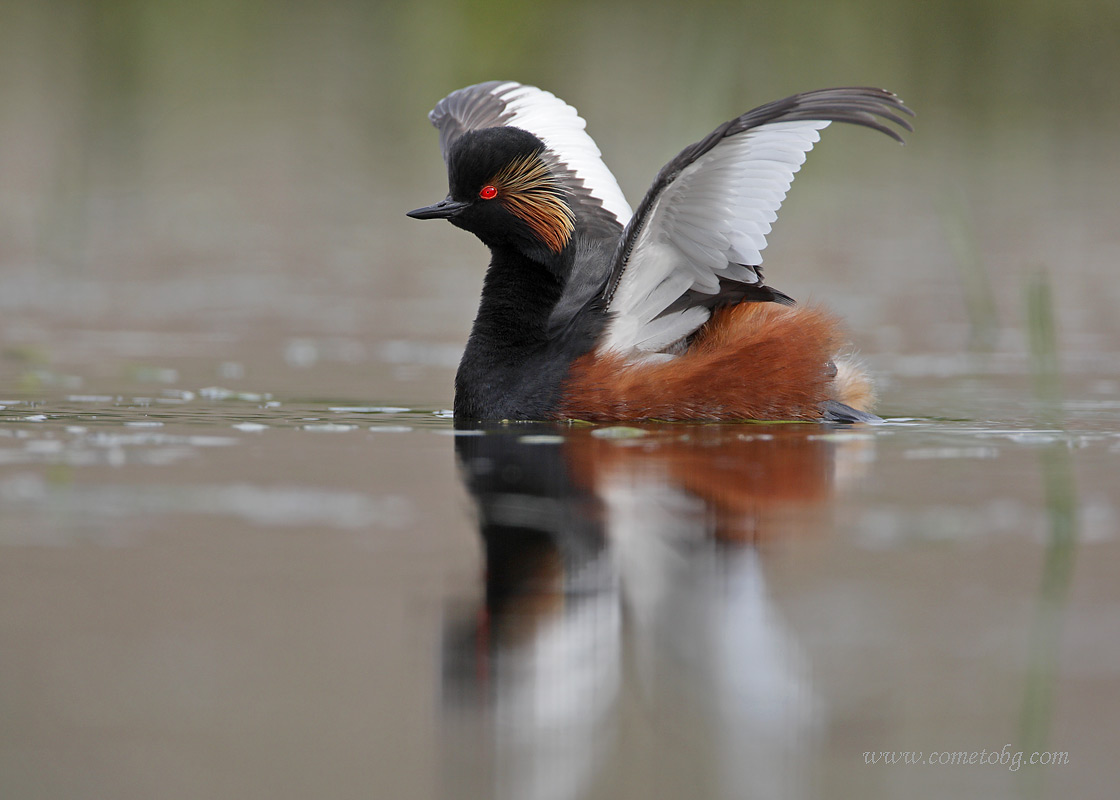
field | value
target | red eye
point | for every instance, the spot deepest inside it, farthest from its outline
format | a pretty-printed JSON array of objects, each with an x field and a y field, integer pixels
[{"x": 488, "y": 193}]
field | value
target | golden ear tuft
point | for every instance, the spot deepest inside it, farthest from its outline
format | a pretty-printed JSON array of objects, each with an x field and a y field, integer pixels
[{"x": 530, "y": 191}]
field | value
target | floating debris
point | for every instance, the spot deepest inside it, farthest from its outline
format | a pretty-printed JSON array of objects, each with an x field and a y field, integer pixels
[
  {"x": 541, "y": 438},
  {"x": 619, "y": 432},
  {"x": 220, "y": 393}
]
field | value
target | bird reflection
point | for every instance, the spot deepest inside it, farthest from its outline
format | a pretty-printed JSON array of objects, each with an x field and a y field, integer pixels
[{"x": 625, "y": 593}]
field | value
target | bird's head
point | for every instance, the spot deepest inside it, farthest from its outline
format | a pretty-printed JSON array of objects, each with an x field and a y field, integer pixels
[{"x": 504, "y": 190}]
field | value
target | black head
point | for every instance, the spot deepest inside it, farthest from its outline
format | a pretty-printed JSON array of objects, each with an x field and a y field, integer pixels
[{"x": 504, "y": 191}]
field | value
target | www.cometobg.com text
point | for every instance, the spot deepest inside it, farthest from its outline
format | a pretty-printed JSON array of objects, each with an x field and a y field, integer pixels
[{"x": 1004, "y": 757}]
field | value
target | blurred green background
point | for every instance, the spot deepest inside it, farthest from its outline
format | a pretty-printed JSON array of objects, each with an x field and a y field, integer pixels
[{"x": 242, "y": 168}]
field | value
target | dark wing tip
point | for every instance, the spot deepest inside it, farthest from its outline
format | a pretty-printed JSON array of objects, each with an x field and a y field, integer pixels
[
  {"x": 469, "y": 108},
  {"x": 857, "y": 105},
  {"x": 462, "y": 100}
]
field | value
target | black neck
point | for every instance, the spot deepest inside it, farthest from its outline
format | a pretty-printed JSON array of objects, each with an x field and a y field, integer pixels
[
  {"x": 502, "y": 374},
  {"x": 518, "y": 294}
]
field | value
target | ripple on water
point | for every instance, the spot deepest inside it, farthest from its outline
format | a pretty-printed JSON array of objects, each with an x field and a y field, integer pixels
[
  {"x": 369, "y": 409},
  {"x": 271, "y": 506},
  {"x": 329, "y": 427}
]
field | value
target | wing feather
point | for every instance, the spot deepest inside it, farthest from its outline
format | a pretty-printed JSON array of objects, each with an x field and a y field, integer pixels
[
  {"x": 554, "y": 122},
  {"x": 698, "y": 235}
]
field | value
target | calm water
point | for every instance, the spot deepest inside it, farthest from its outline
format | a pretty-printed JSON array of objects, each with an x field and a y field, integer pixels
[{"x": 243, "y": 552}]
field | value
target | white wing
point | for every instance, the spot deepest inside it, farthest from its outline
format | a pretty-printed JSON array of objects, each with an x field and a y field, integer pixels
[
  {"x": 697, "y": 239},
  {"x": 710, "y": 223},
  {"x": 550, "y": 119}
]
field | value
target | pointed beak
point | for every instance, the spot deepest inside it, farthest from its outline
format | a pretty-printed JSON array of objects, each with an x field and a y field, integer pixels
[{"x": 444, "y": 209}]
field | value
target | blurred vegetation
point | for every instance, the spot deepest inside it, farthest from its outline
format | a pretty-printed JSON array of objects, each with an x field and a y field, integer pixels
[
  {"x": 130, "y": 68},
  {"x": 976, "y": 283},
  {"x": 1060, "y": 492},
  {"x": 164, "y": 132},
  {"x": 1043, "y": 341}
]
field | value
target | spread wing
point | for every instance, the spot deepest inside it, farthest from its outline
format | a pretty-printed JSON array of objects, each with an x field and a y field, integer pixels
[
  {"x": 595, "y": 194},
  {"x": 695, "y": 241}
]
